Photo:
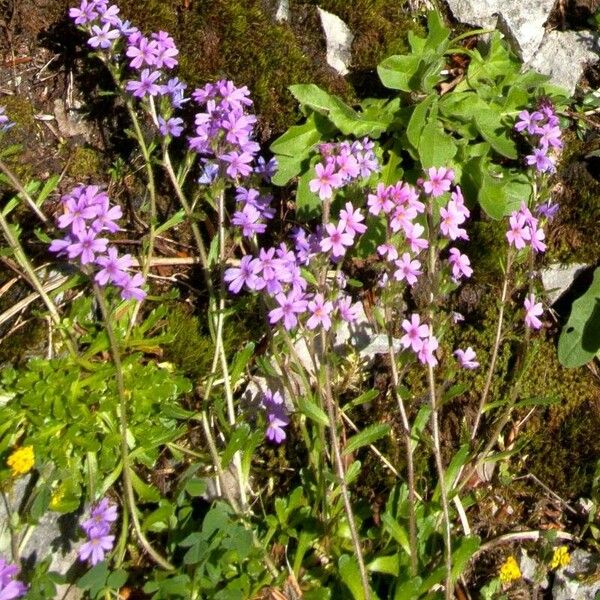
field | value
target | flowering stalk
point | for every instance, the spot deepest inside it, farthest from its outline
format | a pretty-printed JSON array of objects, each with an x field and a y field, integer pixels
[
  {"x": 495, "y": 347},
  {"x": 435, "y": 431},
  {"x": 127, "y": 483},
  {"x": 410, "y": 467}
]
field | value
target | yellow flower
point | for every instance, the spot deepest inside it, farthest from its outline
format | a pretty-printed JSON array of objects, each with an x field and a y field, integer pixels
[
  {"x": 21, "y": 461},
  {"x": 560, "y": 558},
  {"x": 509, "y": 571},
  {"x": 57, "y": 497}
]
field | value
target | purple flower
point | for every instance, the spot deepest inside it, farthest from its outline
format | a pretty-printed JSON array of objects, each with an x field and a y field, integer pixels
[
  {"x": 98, "y": 544},
  {"x": 415, "y": 333},
  {"x": 266, "y": 169},
  {"x": 103, "y": 36},
  {"x": 61, "y": 246},
  {"x": 86, "y": 246},
  {"x": 106, "y": 215},
  {"x": 549, "y": 136},
  {"x": 542, "y": 162},
  {"x": 10, "y": 588},
  {"x": 245, "y": 274},
  {"x": 289, "y": 308},
  {"x": 460, "y": 263},
  {"x": 5, "y": 122},
  {"x": 426, "y": 354},
  {"x": 114, "y": 267},
  {"x": 321, "y": 313},
  {"x": 466, "y": 358},
  {"x": 172, "y": 126},
  {"x": 247, "y": 219},
  {"x": 130, "y": 287},
  {"x": 528, "y": 121},
  {"x": 165, "y": 50},
  {"x": 348, "y": 311},
  {"x": 146, "y": 85},
  {"x": 77, "y": 212},
  {"x": 548, "y": 209},
  {"x": 102, "y": 515},
  {"x": 110, "y": 15},
  {"x": 533, "y": 310},
  {"x": 519, "y": 232},
  {"x": 142, "y": 52},
  {"x": 238, "y": 163},
  {"x": 85, "y": 13},
  {"x": 337, "y": 240}
]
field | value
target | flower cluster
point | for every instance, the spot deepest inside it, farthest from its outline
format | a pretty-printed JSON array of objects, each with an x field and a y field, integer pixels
[
  {"x": 420, "y": 339},
  {"x": 21, "y": 461},
  {"x": 87, "y": 213},
  {"x": 343, "y": 163},
  {"x": 253, "y": 208},
  {"x": 525, "y": 230},
  {"x": 10, "y": 588},
  {"x": 509, "y": 571},
  {"x": 542, "y": 127},
  {"x": 97, "y": 530},
  {"x": 277, "y": 417},
  {"x": 560, "y": 557},
  {"x": 5, "y": 122},
  {"x": 224, "y": 130}
]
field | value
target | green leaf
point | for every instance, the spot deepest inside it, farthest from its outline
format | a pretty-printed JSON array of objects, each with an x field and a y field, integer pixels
[
  {"x": 173, "y": 221},
  {"x": 308, "y": 204},
  {"x": 436, "y": 148},
  {"x": 362, "y": 399},
  {"x": 240, "y": 361},
  {"x": 348, "y": 569},
  {"x": 390, "y": 565},
  {"x": 461, "y": 556},
  {"x": 418, "y": 120},
  {"x": 489, "y": 124},
  {"x": 298, "y": 139},
  {"x": 367, "y": 436},
  {"x": 408, "y": 590},
  {"x": 309, "y": 408},
  {"x": 396, "y": 531},
  {"x": 288, "y": 167},
  {"x": 580, "y": 338},
  {"x": 396, "y": 71},
  {"x": 146, "y": 492}
]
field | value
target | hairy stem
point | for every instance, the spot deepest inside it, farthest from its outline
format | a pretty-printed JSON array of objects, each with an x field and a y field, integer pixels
[
  {"x": 495, "y": 349},
  {"x": 127, "y": 467},
  {"x": 410, "y": 467}
]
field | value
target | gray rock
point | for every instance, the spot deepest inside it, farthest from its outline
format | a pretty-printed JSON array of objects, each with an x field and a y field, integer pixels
[
  {"x": 557, "y": 279},
  {"x": 532, "y": 571},
  {"x": 479, "y": 13},
  {"x": 579, "y": 579},
  {"x": 563, "y": 55},
  {"x": 338, "y": 38},
  {"x": 55, "y": 536}
]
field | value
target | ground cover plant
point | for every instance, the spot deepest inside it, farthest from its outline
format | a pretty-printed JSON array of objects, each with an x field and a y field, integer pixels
[{"x": 340, "y": 417}]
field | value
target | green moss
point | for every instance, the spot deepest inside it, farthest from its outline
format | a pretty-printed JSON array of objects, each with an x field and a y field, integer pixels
[
  {"x": 85, "y": 163},
  {"x": 573, "y": 235},
  {"x": 379, "y": 27},
  {"x": 20, "y": 110},
  {"x": 23, "y": 135}
]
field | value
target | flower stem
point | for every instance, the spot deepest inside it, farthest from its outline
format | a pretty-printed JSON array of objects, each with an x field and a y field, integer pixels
[{"x": 127, "y": 483}]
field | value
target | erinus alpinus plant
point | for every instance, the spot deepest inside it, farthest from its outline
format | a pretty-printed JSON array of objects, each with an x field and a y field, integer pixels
[{"x": 252, "y": 481}]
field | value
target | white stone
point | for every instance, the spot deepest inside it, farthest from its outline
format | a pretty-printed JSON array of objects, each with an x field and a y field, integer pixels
[
  {"x": 577, "y": 581},
  {"x": 480, "y": 13},
  {"x": 563, "y": 55},
  {"x": 557, "y": 279},
  {"x": 338, "y": 38},
  {"x": 283, "y": 11}
]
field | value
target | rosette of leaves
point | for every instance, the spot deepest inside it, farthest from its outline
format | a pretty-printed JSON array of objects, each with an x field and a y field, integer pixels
[{"x": 431, "y": 119}]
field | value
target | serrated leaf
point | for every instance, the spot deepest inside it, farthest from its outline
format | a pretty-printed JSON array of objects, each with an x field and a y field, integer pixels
[{"x": 314, "y": 412}]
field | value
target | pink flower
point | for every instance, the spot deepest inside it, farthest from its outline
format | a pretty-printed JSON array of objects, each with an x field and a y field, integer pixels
[
  {"x": 461, "y": 265},
  {"x": 415, "y": 333},
  {"x": 380, "y": 201},
  {"x": 466, "y": 358},
  {"x": 439, "y": 181},
  {"x": 426, "y": 353},
  {"x": 337, "y": 240},
  {"x": 348, "y": 311},
  {"x": 533, "y": 310},
  {"x": 289, "y": 308},
  {"x": 519, "y": 232},
  {"x": 352, "y": 219},
  {"x": 408, "y": 269},
  {"x": 452, "y": 215},
  {"x": 388, "y": 250},
  {"x": 114, "y": 267},
  {"x": 413, "y": 236},
  {"x": 321, "y": 311},
  {"x": 246, "y": 273},
  {"x": 325, "y": 181},
  {"x": 131, "y": 287},
  {"x": 402, "y": 218}
]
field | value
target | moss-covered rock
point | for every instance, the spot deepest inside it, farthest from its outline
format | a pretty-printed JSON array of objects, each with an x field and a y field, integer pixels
[{"x": 85, "y": 163}]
